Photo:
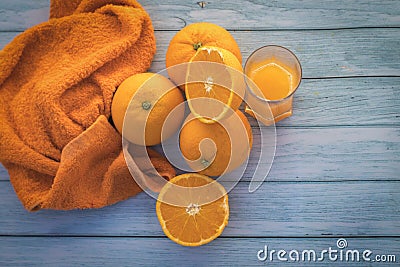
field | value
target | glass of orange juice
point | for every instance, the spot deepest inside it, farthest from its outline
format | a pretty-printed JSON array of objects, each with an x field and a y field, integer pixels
[{"x": 273, "y": 74}]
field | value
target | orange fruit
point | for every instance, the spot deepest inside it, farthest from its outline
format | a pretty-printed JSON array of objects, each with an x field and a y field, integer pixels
[
  {"x": 214, "y": 83},
  {"x": 147, "y": 99},
  {"x": 215, "y": 149},
  {"x": 188, "y": 40},
  {"x": 194, "y": 221}
]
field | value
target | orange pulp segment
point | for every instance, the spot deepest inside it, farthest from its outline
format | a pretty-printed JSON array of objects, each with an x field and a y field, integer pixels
[
  {"x": 214, "y": 83},
  {"x": 195, "y": 222}
]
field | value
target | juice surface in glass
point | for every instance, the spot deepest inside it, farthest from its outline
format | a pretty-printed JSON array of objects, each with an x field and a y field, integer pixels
[{"x": 273, "y": 78}]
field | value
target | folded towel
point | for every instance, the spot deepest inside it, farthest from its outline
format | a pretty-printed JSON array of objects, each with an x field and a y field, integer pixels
[{"x": 57, "y": 80}]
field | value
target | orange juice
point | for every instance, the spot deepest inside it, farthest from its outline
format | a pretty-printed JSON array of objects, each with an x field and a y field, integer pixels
[
  {"x": 274, "y": 74},
  {"x": 274, "y": 79}
]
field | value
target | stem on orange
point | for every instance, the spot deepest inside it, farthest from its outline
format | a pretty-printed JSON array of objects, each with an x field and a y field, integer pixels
[{"x": 197, "y": 46}]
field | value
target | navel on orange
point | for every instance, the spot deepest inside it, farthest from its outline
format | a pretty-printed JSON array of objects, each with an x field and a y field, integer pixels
[
  {"x": 194, "y": 221},
  {"x": 141, "y": 108},
  {"x": 214, "y": 83}
]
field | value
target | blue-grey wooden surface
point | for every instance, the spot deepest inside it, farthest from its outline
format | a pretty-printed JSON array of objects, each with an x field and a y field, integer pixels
[{"x": 337, "y": 167}]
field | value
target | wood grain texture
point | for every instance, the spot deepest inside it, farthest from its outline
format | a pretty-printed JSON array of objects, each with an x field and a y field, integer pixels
[
  {"x": 350, "y": 101},
  {"x": 252, "y": 14},
  {"x": 343, "y": 102},
  {"x": 73, "y": 251},
  {"x": 3, "y": 173},
  {"x": 337, "y": 53},
  {"x": 322, "y": 154},
  {"x": 356, "y": 52},
  {"x": 326, "y": 154},
  {"x": 276, "y": 209},
  {"x": 336, "y": 171},
  {"x": 18, "y": 15}
]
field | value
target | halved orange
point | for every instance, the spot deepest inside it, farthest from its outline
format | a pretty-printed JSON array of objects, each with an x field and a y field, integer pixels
[
  {"x": 192, "y": 209},
  {"x": 214, "y": 83}
]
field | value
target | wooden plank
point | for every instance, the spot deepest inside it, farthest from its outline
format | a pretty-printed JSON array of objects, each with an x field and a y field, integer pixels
[
  {"x": 333, "y": 101},
  {"x": 3, "y": 173},
  {"x": 174, "y": 14},
  {"x": 322, "y": 53},
  {"x": 275, "y": 209},
  {"x": 74, "y": 251},
  {"x": 18, "y": 15},
  {"x": 7, "y": 37},
  {"x": 327, "y": 154},
  {"x": 341, "y": 102},
  {"x": 321, "y": 154}
]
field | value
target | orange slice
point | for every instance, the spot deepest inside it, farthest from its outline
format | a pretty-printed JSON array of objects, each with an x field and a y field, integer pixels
[
  {"x": 202, "y": 212},
  {"x": 214, "y": 83}
]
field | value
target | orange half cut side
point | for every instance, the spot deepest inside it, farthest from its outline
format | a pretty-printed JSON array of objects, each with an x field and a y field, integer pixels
[{"x": 194, "y": 223}]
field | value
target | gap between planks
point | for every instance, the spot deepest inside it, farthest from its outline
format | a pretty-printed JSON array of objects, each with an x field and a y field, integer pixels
[
  {"x": 270, "y": 30},
  {"x": 322, "y": 236}
]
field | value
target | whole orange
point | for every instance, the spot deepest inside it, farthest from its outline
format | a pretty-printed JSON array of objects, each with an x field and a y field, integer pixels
[
  {"x": 146, "y": 108},
  {"x": 218, "y": 148},
  {"x": 185, "y": 43}
]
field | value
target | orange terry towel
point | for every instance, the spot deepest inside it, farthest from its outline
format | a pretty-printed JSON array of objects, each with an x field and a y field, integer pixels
[{"x": 57, "y": 81}]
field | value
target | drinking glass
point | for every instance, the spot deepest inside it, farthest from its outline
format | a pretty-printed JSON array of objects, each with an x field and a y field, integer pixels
[{"x": 257, "y": 102}]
